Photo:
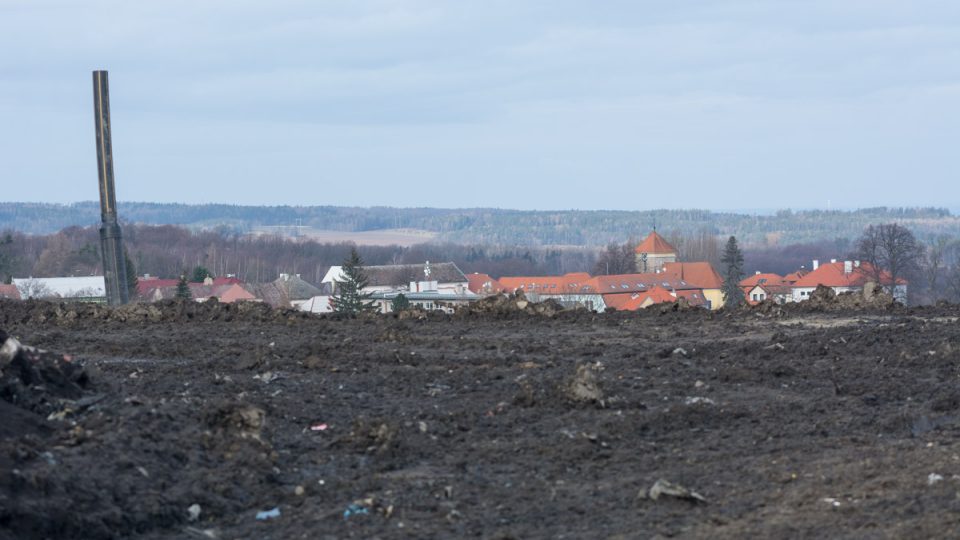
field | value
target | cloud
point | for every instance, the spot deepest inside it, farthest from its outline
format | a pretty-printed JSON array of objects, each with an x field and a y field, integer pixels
[{"x": 537, "y": 97}]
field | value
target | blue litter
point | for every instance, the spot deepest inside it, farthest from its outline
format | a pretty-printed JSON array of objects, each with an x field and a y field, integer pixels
[
  {"x": 354, "y": 510},
  {"x": 268, "y": 514}
]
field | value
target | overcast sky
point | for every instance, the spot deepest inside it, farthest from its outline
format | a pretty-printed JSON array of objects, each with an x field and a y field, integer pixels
[{"x": 550, "y": 104}]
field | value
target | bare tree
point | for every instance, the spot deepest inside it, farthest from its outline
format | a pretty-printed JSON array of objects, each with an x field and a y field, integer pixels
[
  {"x": 933, "y": 264},
  {"x": 617, "y": 259},
  {"x": 702, "y": 245},
  {"x": 889, "y": 249},
  {"x": 34, "y": 288},
  {"x": 953, "y": 283}
]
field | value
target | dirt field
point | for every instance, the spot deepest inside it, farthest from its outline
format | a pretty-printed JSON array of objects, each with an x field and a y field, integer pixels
[{"x": 796, "y": 423}]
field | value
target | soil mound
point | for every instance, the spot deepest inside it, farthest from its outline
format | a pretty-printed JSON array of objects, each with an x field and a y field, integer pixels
[
  {"x": 36, "y": 380},
  {"x": 511, "y": 304},
  {"x": 67, "y": 314},
  {"x": 825, "y": 299}
]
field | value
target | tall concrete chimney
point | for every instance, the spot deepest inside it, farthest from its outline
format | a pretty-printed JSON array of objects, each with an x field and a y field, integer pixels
[{"x": 111, "y": 242}]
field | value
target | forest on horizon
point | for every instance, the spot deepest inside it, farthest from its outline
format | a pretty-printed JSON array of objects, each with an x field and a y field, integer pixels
[{"x": 490, "y": 226}]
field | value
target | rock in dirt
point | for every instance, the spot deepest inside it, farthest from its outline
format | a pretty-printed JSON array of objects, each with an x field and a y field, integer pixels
[
  {"x": 583, "y": 387},
  {"x": 663, "y": 488}
]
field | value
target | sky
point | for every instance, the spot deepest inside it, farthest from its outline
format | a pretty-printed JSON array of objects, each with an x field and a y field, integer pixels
[{"x": 528, "y": 104}]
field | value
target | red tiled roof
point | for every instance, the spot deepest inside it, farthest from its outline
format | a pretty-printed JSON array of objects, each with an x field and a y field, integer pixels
[
  {"x": 761, "y": 279},
  {"x": 145, "y": 285},
  {"x": 832, "y": 275},
  {"x": 568, "y": 283},
  {"x": 658, "y": 294},
  {"x": 483, "y": 284},
  {"x": 694, "y": 297},
  {"x": 620, "y": 301},
  {"x": 700, "y": 274},
  {"x": 656, "y": 244},
  {"x": 233, "y": 293},
  {"x": 794, "y": 277},
  {"x": 9, "y": 291},
  {"x": 622, "y": 283}
]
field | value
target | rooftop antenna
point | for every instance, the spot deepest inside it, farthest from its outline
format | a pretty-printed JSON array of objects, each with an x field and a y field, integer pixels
[{"x": 111, "y": 242}]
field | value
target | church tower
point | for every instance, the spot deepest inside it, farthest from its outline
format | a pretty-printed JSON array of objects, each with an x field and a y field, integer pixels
[{"x": 653, "y": 253}]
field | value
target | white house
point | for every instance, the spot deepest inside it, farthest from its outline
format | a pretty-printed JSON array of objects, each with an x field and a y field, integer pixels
[
  {"x": 429, "y": 286},
  {"x": 844, "y": 276},
  {"x": 88, "y": 288}
]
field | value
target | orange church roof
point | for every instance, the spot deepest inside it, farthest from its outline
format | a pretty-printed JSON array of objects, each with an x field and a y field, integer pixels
[{"x": 656, "y": 244}]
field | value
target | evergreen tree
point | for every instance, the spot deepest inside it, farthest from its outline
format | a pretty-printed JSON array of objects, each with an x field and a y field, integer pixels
[
  {"x": 183, "y": 290},
  {"x": 349, "y": 296},
  {"x": 400, "y": 303},
  {"x": 733, "y": 272},
  {"x": 132, "y": 280},
  {"x": 199, "y": 274},
  {"x": 6, "y": 260}
]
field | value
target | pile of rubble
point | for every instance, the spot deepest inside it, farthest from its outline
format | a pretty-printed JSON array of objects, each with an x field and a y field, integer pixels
[
  {"x": 824, "y": 298},
  {"x": 67, "y": 313},
  {"x": 872, "y": 297},
  {"x": 510, "y": 304},
  {"x": 36, "y": 380}
]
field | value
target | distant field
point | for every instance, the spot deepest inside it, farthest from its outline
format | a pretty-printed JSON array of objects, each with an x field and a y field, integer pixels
[{"x": 383, "y": 237}]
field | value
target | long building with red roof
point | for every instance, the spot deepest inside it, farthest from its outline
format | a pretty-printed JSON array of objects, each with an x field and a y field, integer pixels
[{"x": 845, "y": 276}]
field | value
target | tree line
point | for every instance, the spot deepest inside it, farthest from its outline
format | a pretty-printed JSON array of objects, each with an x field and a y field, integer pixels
[
  {"x": 490, "y": 226},
  {"x": 167, "y": 251}
]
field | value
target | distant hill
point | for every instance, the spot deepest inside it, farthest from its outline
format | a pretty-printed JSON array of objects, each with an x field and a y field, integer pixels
[{"x": 490, "y": 225}]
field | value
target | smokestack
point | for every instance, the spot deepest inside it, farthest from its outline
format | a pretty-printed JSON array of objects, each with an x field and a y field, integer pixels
[
  {"x": 111, "y": 242},
  {"x": 847, "y": 267}
]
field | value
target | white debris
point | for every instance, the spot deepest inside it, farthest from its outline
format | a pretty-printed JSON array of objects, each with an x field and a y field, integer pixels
[
  {"x": 662, "y": 487},
  {"x": 698, "y": 401},
  {"x": 933, "y": 478}
]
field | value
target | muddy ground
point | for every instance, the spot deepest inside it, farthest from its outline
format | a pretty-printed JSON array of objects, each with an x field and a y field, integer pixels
[{"x": 186, "y": 420}]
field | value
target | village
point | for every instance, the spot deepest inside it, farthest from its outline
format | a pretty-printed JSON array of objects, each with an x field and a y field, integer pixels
[{"x": 442, "y": 286}]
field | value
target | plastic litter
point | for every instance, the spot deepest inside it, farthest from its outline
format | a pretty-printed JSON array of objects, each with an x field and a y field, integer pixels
[
  {"x": 354, "y": 510},
  {"x": 268, "y": 514},
  {"x": 319, "y": 427},
  {"x": 664, "y": 488}
]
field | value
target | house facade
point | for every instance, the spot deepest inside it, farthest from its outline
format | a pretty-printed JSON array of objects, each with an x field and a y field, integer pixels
[
  {"x": 430, "y": 286},
  {"x": 846, "y": 276}
]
